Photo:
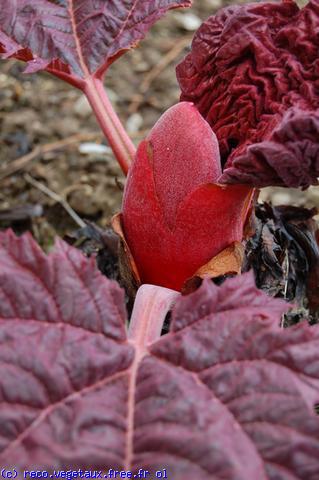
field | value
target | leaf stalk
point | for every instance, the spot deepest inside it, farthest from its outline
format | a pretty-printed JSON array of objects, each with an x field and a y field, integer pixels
[
  {"x": 118, "y": 139},
  {"x": 150, "y": 308}
]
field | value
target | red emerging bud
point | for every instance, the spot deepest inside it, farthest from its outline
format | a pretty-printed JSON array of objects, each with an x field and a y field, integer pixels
[{"x": 175, "y": 216}]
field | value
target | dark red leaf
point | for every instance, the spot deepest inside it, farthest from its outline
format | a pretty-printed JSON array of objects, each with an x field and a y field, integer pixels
[
  {"x": 253, "y": 74},
  {"x": 226, "y": 395},
  {"x": 229, "y": 340},
  {"x": 76, "y": 38},
  {"x": 63, "y": 358}
]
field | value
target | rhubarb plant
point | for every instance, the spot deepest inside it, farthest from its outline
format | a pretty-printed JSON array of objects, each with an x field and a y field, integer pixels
[{"x": 226, "y": 393}]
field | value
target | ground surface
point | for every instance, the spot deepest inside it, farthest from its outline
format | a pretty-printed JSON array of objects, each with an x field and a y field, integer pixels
[{"x": 39, "y": 109}]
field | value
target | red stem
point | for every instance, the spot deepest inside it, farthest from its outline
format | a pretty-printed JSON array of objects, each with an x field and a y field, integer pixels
[
  {"x": 121, "y": 144},
  {"x": 150, "y": 308}
]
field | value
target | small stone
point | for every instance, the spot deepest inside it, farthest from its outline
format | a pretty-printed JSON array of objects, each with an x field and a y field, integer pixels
[
  {"x": 113, "y": 97},
  {"x": 82, "y": 108},
  {"x": 67, "y": 126},
  {"x": 214, "y": 3},
  {"x": 89, "y": 148},
  {"x": 134, "y": 123},
  {"x": 281, "y": 198},
  {"x": 188, "y": 21}
]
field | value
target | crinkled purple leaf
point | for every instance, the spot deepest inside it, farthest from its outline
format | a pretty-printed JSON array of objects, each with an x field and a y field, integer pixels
[
  {"x": 253, "y": 74},
  {"x": 227, "y": 394},
  {"x": 76, "y": 38}
]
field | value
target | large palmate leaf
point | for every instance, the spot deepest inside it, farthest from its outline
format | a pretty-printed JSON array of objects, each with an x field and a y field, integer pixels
[
  {"x": 76, "y": 38},
  {"x": 226, "y": 394}
]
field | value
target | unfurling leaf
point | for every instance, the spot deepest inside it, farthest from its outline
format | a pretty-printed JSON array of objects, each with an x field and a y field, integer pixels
[
  {"x": 176, "y": 217},
  {"x": 226, "y": 394},
  {"x": 253, "y": 74}
]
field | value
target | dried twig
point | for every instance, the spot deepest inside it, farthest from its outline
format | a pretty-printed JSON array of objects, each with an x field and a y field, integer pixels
[
  {"x": 21, "y": 212},
  {"x": 57, "y": 198},
  {"x": 21, "y": 162},
  {"x": 156, "y": 70}
]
